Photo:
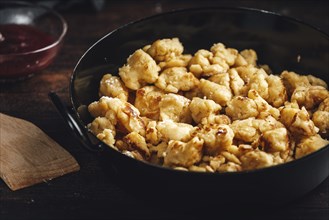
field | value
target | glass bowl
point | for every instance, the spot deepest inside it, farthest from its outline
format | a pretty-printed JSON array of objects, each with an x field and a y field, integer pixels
[{"x": 30, "y": 38}]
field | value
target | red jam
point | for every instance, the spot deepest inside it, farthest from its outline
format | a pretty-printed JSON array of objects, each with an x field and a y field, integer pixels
[{"x": 17, "y": 39}]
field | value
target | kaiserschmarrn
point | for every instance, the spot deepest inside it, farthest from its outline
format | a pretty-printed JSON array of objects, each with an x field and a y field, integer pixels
[{"x": 216, "y": 110}]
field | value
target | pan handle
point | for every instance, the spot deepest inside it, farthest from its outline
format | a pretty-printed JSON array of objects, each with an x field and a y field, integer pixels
[{"x": 81, "y": 133}]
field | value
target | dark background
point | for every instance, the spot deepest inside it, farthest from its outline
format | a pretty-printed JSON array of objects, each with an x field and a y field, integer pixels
[{"x": 91, "y": 193}]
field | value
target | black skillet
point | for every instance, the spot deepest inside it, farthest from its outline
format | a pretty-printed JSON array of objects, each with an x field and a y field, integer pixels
[{"x": 278, "y": 40}]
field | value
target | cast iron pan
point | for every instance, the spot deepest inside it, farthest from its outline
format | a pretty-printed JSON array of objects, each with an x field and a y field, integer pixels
[{"x": 278, "y": 41}]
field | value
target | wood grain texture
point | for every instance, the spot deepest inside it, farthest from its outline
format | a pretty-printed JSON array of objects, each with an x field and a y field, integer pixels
[
  {"x": 29, "y": 156},
  {"x": 93, "y": 192}
]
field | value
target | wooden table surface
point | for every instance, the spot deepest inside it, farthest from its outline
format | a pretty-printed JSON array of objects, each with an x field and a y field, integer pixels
[{"x": 91, "y": 193}]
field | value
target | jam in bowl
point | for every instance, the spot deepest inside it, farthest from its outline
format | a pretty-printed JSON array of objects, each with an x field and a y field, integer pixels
[{"x": 30, "y": 38}]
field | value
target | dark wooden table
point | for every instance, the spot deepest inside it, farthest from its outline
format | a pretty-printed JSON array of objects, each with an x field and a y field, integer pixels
[{"x": 91, "y": 193}]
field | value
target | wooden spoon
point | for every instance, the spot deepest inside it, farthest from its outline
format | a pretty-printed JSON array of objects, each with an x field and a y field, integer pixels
[{"x": 28, "y": 156}]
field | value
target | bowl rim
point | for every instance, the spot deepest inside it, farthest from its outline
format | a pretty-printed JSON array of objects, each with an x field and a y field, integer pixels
[
  {"x": 57, "y": 41},
  {"x": 104, "y": 147}
]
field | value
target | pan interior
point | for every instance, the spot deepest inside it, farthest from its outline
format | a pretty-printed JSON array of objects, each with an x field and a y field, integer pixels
[{"x": 278, "y": 41}]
